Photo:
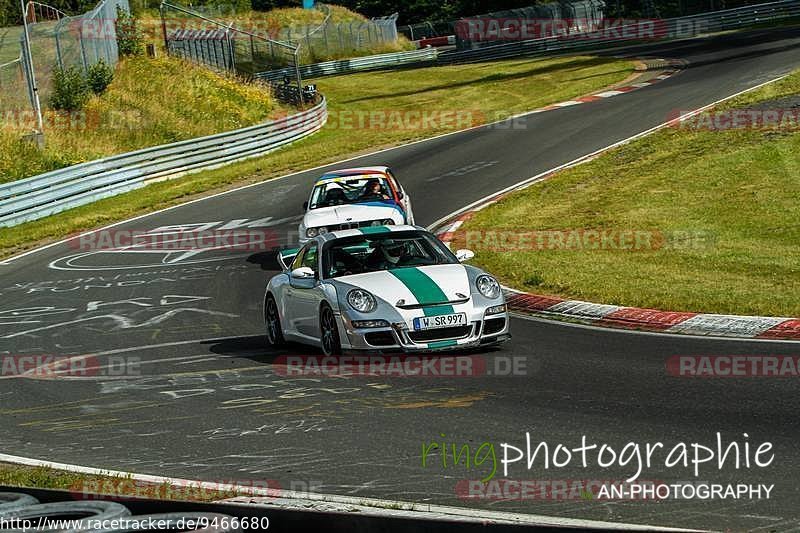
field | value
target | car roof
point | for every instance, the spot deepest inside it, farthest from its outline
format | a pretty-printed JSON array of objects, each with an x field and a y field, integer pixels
[
  {"x": 348, "y": 172},
  {"x": 367, "y": 231}
]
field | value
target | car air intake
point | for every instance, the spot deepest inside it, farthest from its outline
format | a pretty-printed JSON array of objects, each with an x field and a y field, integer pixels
[
  {"x": 380, "y": 338},
  {"x": 494, "y": 325}
]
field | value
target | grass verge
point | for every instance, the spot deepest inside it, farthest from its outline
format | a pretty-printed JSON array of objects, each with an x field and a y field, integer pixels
[
  {"x": 144, "y": 106},
  {"x": 343, "y": 37},
  {"x": 719, "y": 207},
  {"x": 81, "y": 485},
  {"x": 490, "y": 90}
]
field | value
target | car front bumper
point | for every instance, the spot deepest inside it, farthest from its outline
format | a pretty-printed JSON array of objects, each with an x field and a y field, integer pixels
[{"x": 482, "y": 331}]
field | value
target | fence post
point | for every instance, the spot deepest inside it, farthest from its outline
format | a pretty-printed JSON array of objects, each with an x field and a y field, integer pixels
[
  {"x": 161, "y": 10},
  {"x": 253, "y": 54},
  {"x": 33, "y": 89},
  {"x": 297, "y": 75},
  {"x": 233, "y": 52},
  {"x": 58, "y": 51}
]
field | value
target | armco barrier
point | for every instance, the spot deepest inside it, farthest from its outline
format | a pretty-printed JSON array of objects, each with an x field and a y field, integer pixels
[
  {"x": 357, "y": 64},
  {"x": 674, "y": 28},
  {"x": 46, "y": 194}
]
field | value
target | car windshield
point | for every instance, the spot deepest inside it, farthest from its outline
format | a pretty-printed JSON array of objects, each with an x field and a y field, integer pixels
[
  {"x": 351, "y": 190},
  {"x": 384, "y": 251}
]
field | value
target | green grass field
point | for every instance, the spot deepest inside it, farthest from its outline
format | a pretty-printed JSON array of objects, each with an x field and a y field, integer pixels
[
  {"x": 483, "y": 90},
  {"x": 723, "y": 205}
]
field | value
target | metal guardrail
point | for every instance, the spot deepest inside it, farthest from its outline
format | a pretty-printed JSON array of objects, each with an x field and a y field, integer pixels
[
  {"x": 667, "y": 29},
  {"x": 357, "y": 64},
  {"x": 46, "y": 194}
]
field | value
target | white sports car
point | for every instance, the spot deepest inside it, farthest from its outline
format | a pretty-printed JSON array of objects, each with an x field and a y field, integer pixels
[
  {"x": 355, "y": 198},
  {"x": 383, "y": 289}
]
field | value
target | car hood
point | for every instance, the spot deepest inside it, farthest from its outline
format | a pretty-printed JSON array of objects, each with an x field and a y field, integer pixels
[
  {"x": 340, "y": 214},
  {"x": 415, "y": 285}
]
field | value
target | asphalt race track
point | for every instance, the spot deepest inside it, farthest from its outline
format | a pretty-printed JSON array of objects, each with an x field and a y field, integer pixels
[{"x": 217, "y": 410}]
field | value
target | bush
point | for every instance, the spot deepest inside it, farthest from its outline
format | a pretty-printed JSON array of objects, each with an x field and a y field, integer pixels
[
  {"x": 130, "y": 39},
  {"x": 70, "y": 90},
  {"x": 99, "y": 77}
]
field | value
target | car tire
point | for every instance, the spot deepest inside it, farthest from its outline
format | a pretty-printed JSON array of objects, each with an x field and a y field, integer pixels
[
  {"x": 272, "y": 323},
  {"x": 329, "y": 331},
  {"x": 12, "y": 501}
]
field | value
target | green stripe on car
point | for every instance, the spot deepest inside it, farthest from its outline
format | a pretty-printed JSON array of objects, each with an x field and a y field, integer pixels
[
  {"x": 441, "y": 344},
  {"x": 371, "y": 230},
  {"x": 424, "y": 289}
]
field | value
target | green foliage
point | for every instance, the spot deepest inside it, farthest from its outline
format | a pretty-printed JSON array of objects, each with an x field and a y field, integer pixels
[
  {"x": 130, "y": 38},
  {"x": 99, "y": 77},
  {"x": 70, "y": 89}
]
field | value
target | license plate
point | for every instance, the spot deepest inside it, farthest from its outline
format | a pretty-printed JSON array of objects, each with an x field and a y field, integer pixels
[{"x": 440, "y": 321}]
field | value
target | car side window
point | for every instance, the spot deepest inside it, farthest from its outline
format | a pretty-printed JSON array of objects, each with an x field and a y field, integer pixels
[
  {"x": 298, "y": 260},
  {"x": 310, "y": 258},
  {"x": 394, "y": 183}
]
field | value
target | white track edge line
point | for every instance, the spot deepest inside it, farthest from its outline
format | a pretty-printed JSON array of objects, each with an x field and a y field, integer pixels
[{"x": 376, "y": 506}]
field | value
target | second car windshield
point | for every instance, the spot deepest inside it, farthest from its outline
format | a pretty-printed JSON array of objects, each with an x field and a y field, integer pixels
[
  {"x": 384, "y": 251},
  {"x": 350, "y": 191}
]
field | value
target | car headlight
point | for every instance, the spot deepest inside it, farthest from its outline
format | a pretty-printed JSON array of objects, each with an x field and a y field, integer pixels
[
  {"x": 388, "y": 222},
  {"x": 323, "y": 230},
  {"x": 311, "y": 233},
  {"x": 488, "y": 286},
  {"x": 361, "y": 301},
  {"x": 376, "y": 223}
]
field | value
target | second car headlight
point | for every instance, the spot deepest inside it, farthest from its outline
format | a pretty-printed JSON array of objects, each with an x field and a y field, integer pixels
[
  {"x": 361, "y": 301},
  {"x": 488, "y": 286},
  {"x": 313, "y": 232}
]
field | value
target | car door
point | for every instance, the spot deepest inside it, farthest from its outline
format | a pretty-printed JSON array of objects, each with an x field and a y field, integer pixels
[
  {"x": 402, "y": 197},
  {"x": 289, "y": 310},
  {"x": 307, "y": 296}
]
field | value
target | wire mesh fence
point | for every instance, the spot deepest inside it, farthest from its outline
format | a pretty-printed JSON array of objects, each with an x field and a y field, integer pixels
[
  {"x": 14, "y": 96},
  {"x": 217, "y": 45},
  {"x": 55, "y": 41},
  {"x": 545, "y": 20},
  {"x": 580, "y": 16},
  {"x": 336, "y": 40}
]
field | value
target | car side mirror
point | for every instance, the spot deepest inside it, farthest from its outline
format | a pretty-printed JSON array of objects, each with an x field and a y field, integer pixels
[
  {"x": 302, "y": 273},
  {"x": 464, "y": 255},
  {"x": 305, "y": 206}
]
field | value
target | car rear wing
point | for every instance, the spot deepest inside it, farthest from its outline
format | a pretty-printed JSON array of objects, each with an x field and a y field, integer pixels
[{"x": 286, "y": 257}]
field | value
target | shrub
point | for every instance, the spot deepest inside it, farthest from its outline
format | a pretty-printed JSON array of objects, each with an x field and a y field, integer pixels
[
  {"x": 130, "y": 39},
  {"x": 70, "y": 90},
  {"x": 99, "y": 77}
]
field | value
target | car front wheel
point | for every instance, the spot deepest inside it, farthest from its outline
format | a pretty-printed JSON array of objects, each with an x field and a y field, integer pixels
[
  {"x": 331, "y": 345},
  {"x": 273, "y": 323}
]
